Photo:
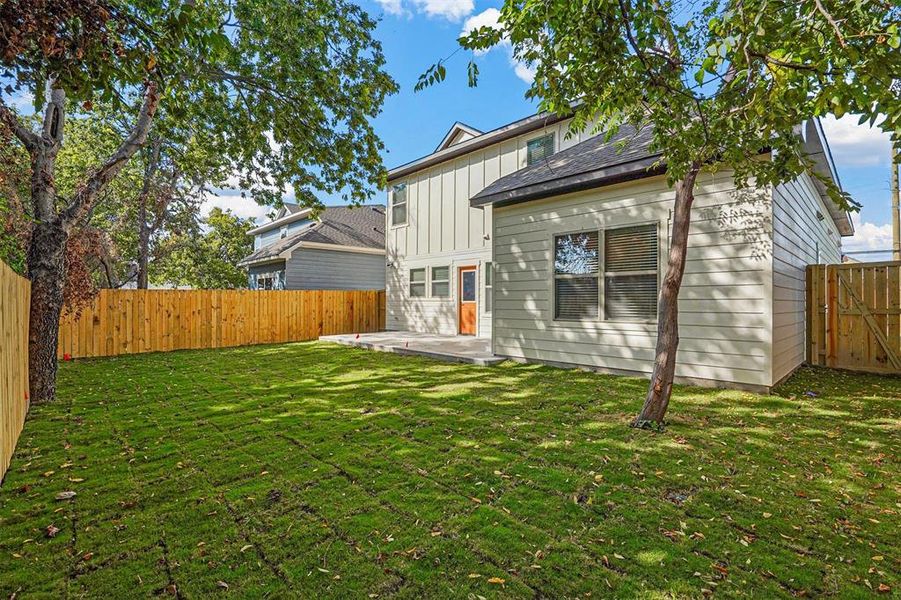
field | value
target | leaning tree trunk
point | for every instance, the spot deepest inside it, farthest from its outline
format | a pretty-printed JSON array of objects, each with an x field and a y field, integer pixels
[
  {"x": 661, "y": 385},
  {"x": 143, "y": 244},
  {"x": 47, "y": 270}
]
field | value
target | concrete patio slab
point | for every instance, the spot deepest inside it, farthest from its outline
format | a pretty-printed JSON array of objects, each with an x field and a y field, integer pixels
[{"x": 452, "y": 348}]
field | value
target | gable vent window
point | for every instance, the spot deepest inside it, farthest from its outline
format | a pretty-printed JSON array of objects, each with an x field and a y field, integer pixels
[
  {"x": 399, "y": 204},
  {"x": 539, "y": 149},
  {"x": 630, "y": 273},
  {"x": 576, "y": 276},
  {"x": 440, "y": 282},
  {"x": 417, "y": 283}
]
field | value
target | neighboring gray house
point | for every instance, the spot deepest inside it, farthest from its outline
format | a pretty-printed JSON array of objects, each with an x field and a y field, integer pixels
[
  {"x": 342, "y": 249},
  {"x": 553, "y": 247}
]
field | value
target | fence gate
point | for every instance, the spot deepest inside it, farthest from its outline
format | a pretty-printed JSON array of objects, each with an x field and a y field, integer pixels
[{"x": 854, "y": 316}]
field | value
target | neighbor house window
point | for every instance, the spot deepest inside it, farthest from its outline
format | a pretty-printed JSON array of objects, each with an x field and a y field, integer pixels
[
  {"x": 417, "y": 283},
  {"x": 539, "y": 148},
  {"x": 489, "y": 291},
  {"x": 576, "y": 276},
  {"x": 399, "y": 204},
  {"x": 630, "y": 273},
  {"x": 440, "y": 282},
  {"x": 272, "y": 280}
]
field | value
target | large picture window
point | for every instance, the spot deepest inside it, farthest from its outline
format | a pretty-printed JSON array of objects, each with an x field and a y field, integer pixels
[
  {"x": 440, "y": 282},
  {"x": 417, "y": 283},
  {"x": 399, "y": 204},
  {"x": 630, "y": 273},
  {"x": 576, "y": 276}
]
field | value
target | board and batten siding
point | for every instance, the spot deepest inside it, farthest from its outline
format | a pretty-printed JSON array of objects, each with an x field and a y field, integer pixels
[
  {"x": 443, "y": 230},
  {"x": 803, "y": 234},
  {"x": 725, "y": 303},
  {"x": 315, "y": 269}
]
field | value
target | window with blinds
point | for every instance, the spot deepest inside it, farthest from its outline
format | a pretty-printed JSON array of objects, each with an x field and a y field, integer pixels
[
  {"x": 630, "y": 273},
  {"x": 576, "y": 276},
  {"x": 440, "y": 282},
  {"x": 399, "y": 204},
  {"x": 539, "y": 148},
  {"x": 417, "y": 283}
]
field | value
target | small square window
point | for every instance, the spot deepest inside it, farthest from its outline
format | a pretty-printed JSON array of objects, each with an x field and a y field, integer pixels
[
  {"x": 440, "y": 282},
  {"x": 399, "y": 204},
  {"x": 539, "y": 149},
  {"x": 417, "y": 283}
]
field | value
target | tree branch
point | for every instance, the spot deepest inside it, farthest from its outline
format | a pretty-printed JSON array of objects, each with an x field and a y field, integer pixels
[
  {"x": 98, "y": 179},
  {"x": 831, "y": 21},
  {"x": 28, "y": 138}
]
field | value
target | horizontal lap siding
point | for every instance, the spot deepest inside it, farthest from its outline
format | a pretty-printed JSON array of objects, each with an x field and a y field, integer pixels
[
  {"x": 443, "y": 230},
  {"x": 725, "y": 307},
  {"x": 313, "y": 269},
  {"x": 797, "y": 236}
]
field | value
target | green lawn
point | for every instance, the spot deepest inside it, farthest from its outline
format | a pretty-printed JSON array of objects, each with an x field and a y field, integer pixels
[{"x": 315, "y": 470}]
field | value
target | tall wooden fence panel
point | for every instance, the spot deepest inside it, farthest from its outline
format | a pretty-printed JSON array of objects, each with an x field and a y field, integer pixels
[
  {"x": 134, "y": 321},
  {"x": 15, "y": 296},
  {"x": 854, "y": 316}
]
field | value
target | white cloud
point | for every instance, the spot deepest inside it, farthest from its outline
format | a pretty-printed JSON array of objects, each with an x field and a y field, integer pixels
[
  {"x": 489, "y": 18},
  {"x": 392, "y": 7},
  {"x": 857, "y": 145},
  {"x": 245, "y": 208},
  {"x": 868, "y": 236},
  {"x": 452, "y": 10}
]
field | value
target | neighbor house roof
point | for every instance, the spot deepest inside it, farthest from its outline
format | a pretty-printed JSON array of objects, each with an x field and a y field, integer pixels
[
  {"x": 360, "y": 229},
  {"x": 592, "y": 163},
  {"x": 454, "y": 134}
]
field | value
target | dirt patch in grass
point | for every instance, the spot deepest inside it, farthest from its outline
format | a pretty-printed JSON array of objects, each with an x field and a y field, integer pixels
[{"x": 323, "y": 471}]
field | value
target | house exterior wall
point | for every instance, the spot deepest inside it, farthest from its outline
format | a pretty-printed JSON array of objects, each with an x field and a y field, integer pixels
[
  {"x": 800, "y": 238},
  {"x": 274, "y": 270},
  {"x": 267, "y": 238},
  {"x": 725, "y": 317},
  {"x": 315, "y": 269},
  {"x": 443, "y": 230}
]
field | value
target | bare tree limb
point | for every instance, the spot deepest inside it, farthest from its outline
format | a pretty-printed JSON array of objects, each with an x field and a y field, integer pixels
[
  {"x": 87, "y": 193},
  {"x": 831, "y": 21},
  {"x": 28, "y": 138}
]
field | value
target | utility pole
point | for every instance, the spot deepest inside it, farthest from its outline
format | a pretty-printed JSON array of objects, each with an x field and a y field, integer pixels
[{"x": 896, "y": 217}]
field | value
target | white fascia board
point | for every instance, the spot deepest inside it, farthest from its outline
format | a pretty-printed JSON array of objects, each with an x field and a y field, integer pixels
[
  {"x": 336, "y": 247},
  {"x": 298, "y": 216}
]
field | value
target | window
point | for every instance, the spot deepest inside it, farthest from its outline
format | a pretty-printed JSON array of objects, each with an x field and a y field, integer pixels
[
  {"x": 284, "y": 232},
  {"x": 417, "y": 283},
  {"x": 539, "y": 148},
  {"x": 272, "y": 280},
  {"x": 440, "y": 282},
  {"x": 630, "y": 273},
  {"x": 489, "y": 291},
  {"x": 576, "y": 276},
  {"x": 399, "y": 204}
]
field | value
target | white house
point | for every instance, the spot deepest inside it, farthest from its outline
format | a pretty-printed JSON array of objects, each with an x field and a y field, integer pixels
[
  {"x": 554, "y": 247},
  {"x": 343, "y": 248}
]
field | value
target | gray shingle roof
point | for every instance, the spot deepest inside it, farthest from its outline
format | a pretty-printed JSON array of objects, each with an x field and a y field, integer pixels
[
  {"x": 362, "y": 226},
  {"x": 588, "y": 164}
]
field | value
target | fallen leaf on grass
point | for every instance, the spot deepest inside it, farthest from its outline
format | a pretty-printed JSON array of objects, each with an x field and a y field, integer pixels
[
  {"x": 51, "y": 531},
  {"x": 884, "y": 589},
  {"x": 67, "y": 495},
  {"x": 87, "y": 556},
  {"x": 222, "y": 584},
  {"x": 767, "y": 515},
  {"x": 245, "y": 548},
  {"x": 497, "y": 580}
]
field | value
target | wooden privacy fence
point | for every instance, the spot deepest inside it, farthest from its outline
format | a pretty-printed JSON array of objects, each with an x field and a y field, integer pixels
[
  {"x": 854, "y": 316},
  {"x": 134, "y": 321},
  {"x": 15, "y": 296}
]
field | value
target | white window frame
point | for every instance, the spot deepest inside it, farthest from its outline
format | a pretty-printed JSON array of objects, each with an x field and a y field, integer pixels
[
  {"x": 549, "y": 134},
  {"x": 662, "y": 250},
  {"x": 555, "y": 276},
  {"x": 424, "y": 283},
  {"x": 604, "y": 272},
  {"x": 405, "y": 204},
  {"x": 433, "y": 281}
]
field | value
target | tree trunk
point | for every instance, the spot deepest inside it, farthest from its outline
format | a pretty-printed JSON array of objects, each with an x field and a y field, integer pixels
[
  {"x": 661, "y": 385},
  {"x": 143, "y": 243},
  {"x": 47, "y": 270}
]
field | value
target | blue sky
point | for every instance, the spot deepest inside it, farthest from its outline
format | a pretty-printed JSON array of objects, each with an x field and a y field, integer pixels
[{"x": 416, "y": 33}]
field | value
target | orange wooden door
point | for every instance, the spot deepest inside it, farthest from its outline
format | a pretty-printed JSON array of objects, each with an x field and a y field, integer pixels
[{"x": 467, "y": 296}]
